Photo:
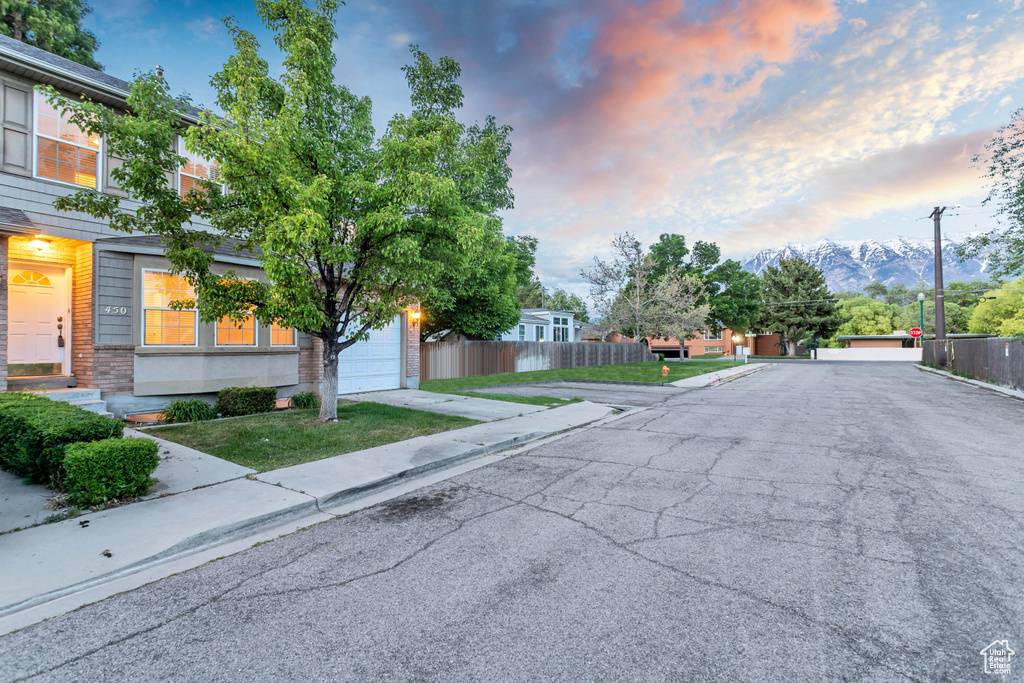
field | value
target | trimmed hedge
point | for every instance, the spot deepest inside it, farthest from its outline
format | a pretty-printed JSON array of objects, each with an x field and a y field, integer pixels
[
  {"x": 35, "y": 431},
  {"x": 246, "y": 400},
  {"x": 100, "y": 471}
]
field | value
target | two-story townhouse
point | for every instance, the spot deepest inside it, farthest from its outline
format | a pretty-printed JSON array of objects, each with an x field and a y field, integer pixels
[
  {"x": 544, "y": 324},
  {"x": 85, "y": 306}
]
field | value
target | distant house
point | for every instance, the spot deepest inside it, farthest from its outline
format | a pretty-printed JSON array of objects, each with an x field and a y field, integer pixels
[
  {"x": 545, "y": 325},
  {"x": 896, "y": 340}
]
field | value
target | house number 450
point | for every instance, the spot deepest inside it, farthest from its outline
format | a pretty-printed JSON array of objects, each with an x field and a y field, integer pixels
[{"x": 116, "y": 310}]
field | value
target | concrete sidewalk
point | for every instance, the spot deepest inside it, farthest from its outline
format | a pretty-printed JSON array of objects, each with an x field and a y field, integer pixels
[
  {"x": 55, "y": 560},
  {"x": 717, "y": 376},
  {"x": 481, "y": 409}
]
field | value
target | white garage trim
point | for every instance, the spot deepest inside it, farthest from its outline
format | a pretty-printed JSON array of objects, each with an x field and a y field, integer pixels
[{"x": 374, "y": 364}]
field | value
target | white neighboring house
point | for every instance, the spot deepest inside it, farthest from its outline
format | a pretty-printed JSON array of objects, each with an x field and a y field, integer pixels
[{"x": 543, "y": 324}]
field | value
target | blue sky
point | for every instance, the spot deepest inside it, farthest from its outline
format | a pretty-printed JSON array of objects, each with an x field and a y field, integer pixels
[{"x": 748, "y": 122}]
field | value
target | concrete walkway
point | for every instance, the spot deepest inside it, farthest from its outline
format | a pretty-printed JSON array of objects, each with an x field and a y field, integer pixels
[
  {"x": 54, "y": 560},
  {"x": 481, "y": 409}
]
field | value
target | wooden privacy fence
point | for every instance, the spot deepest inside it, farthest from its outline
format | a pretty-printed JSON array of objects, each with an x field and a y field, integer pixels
[
  {"x": 1000, "y": 361},
  {"x": 450, "y": 360}
]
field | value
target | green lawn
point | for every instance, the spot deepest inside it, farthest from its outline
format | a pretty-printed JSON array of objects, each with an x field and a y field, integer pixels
[
  {"x": 549, "y": 401},
  {"x": 268, "y": 442},
  {"x": 627, "y": 372},
  {"x": 707, "y": 356}
]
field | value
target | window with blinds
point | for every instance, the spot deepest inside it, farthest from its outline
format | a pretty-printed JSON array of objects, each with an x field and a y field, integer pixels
[
  {"x": 64, "y": 152},
  {"x": 161, "y": 325}
]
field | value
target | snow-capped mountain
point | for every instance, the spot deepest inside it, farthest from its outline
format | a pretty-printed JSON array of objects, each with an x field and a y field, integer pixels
[{"x": 849, "y": 265}]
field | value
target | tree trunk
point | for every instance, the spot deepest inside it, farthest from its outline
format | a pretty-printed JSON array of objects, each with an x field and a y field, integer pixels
[
  {"x": 329, "y": 385},
  {"x": 790, "y": 348},
  {"x": 17, "y": 25}
]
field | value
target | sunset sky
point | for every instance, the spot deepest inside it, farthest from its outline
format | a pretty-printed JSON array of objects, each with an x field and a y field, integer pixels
[{"x": 751, "y": 123}]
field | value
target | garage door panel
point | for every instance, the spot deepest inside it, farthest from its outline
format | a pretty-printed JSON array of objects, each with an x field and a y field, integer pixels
[{"x": 374, "y": 364}]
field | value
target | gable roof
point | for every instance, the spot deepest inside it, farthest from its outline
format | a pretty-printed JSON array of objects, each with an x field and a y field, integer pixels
[{"x": 45, "y": 67}]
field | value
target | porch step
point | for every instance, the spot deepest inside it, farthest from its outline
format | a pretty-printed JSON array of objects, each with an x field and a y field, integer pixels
[
  {"x": 92, "y": 406},
  {"x": 71, "y": 395},
  {"x": 86, "y": 399}
]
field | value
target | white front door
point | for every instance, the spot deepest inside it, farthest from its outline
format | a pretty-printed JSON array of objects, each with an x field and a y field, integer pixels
[
  {"x": 38, "y": 320},
  {"x": 374, "y": 364}
]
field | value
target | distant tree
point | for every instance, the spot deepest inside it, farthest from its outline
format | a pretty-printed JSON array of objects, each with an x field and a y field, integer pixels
[
  {"x": 865, "y": 315},
  {"x": 631, "y": 300},
  {"x": 671, "y": 253},
  {"x": 876, "y": 290},
  {"x": 797, "y": 302},
  {"x": 1003, "y": 160},
  {"x": 531, "y": 294},
  {"x": 51, "y": 25},
  {"x": 735, "y": 296},
  {"x": 560, "y": 300},
  {"x": 480, "y": 301},
  {"x": 1002, "y": 315}
]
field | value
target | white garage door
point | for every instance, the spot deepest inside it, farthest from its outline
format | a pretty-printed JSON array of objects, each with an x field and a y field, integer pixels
[{"x": 374, "y": 364}]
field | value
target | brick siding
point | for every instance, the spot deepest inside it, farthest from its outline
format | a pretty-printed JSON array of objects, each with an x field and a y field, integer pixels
[
  {"x": 412, "y": 347},
  {"x": 82, "y": 357},
  {"x": 114, "y": 369},
  {"x": 311, "y": 364}
]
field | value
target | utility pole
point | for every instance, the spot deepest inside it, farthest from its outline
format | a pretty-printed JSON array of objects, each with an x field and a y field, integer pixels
[{"x": 940, "y": 296}]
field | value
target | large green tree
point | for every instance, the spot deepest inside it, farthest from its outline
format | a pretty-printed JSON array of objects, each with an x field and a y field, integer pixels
[
  {"x": 1001, "y": 311},
  {"x": 480, "y": 301},
  {"x": 736, "y": 296},
  {"x": 797, "y": 303},
  {"x": 865, "y": 315},
  {"x": 51, "y": 25},
  {"x": 561, "y": 300},
  {"x": 1003, "y": 161},
  {"x": 349, "y": 228}
]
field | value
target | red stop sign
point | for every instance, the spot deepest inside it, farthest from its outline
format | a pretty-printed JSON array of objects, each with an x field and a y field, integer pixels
[{"x": 916, "y": 332}]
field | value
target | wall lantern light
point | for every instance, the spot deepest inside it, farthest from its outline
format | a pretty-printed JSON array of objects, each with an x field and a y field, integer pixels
[
  {"x": 414, "y": 315},
  {"x": 39, "y": 244}
]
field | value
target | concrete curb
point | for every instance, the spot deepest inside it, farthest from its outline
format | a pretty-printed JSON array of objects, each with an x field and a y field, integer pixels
[
  {"x": 694, "y": 383},
  {"x": 995, "y": 388}
]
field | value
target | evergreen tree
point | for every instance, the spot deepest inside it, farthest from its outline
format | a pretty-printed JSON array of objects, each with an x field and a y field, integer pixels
[
  {"x": 560, "y": 300},
  {"x": 797, "y": 303},
  {"x": 51, "y": 25}
]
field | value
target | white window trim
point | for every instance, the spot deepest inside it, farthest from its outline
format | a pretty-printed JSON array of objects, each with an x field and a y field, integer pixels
[
  {"x": 100, "y": 151},
  {"x": 270, "y": 331},
  {"x": 142, "y": 318},
  {"x": 522, "y": 333},
  {"x": 708, "y": 337},
  {"x": 177, "y": 174}
]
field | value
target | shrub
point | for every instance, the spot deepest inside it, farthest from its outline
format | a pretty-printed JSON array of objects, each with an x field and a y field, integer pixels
[
  {"x": 246, "y": 400},
  {"x": 34, "y": 432},
  {"x": 306, "y": 400},
  {"x": 661, "y": 356},
  {"x": 189, "y": 410},
  {"x": 109, "y": 469}
]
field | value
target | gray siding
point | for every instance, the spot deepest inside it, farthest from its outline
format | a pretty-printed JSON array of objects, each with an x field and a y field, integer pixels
[{"x": 114, "y": 289}]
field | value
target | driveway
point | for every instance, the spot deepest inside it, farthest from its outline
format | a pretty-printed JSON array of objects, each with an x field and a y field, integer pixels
[
  {"x": 609, "y": 394},
  {"x": 808, "y": 522}
]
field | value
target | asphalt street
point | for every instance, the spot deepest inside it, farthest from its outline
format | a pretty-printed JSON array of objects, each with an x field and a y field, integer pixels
[{"x": 809, "y": 522}]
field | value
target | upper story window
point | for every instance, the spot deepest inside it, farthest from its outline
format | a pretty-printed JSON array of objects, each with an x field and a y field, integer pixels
[
  {"x": 715, "y": 336},
  {"x": 64, "y": 152},
  {"x": 162, "y": 326},
  {"x": 233, "y": 333},
  {"x": 282, "y": 336},
  {"x": 561, "y": 331},
  {"x": 196, "y": 168}
]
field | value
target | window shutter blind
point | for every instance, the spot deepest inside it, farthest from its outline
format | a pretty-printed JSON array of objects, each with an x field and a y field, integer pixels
[{"x": 16, "y": 145}]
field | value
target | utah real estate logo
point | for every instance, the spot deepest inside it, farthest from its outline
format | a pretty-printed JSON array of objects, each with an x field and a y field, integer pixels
[{"x": 997, "y": 657}]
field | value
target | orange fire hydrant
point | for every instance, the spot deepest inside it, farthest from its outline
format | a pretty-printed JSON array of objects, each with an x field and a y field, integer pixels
[{"x": 664, "y": 371}]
